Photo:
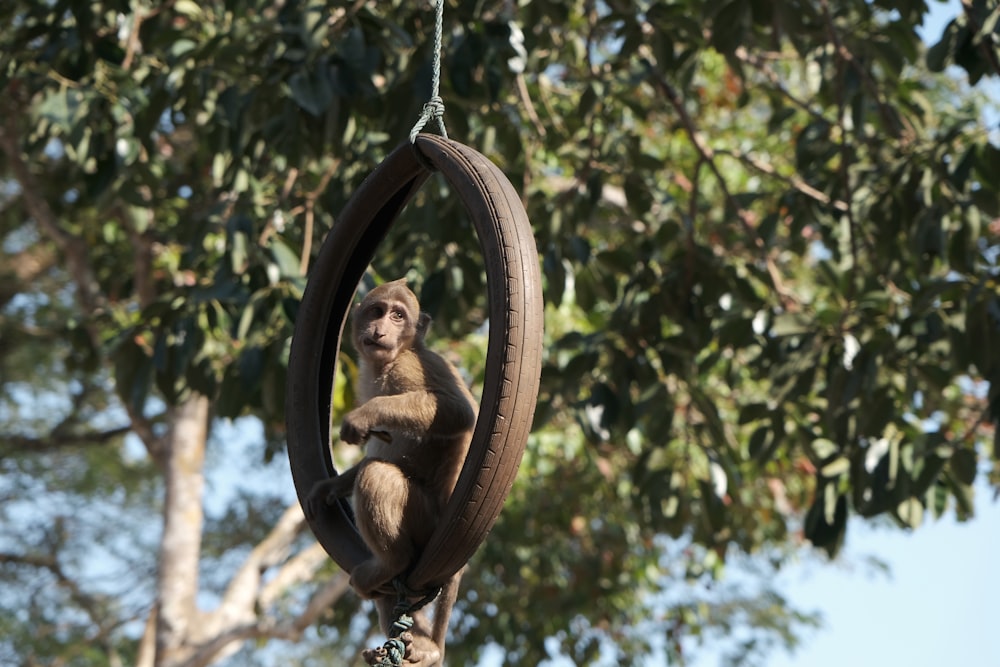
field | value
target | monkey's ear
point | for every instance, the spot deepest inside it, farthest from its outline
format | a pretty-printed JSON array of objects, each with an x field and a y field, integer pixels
[{"x": 423, "y": 324}]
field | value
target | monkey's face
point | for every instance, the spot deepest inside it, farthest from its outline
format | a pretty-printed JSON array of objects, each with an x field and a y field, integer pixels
[{"x": 387, "y": 322}]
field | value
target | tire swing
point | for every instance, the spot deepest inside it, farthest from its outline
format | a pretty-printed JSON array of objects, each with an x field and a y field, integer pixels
[{"x": 513, "y": 355}]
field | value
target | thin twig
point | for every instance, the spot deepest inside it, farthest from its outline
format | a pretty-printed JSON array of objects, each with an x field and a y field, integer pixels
[
  {"x": 310, "y": 214},
  {"x": 529, "y": 108},
  {"x": 132, "y": 44},
  {"x": 759, "y": 64},
  {"x": 793, "y": 181},
  {"x": 698, "y": 141},
  {"x": 892, "y": 123}
]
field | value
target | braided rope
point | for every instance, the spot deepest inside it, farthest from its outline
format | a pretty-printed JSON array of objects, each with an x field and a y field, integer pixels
[{"x": 434, "y": 108}]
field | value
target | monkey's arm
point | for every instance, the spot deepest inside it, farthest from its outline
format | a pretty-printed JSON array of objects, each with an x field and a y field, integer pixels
[
  {"x": 419, "y": 414},
  {"x": 328, "y": 491}
]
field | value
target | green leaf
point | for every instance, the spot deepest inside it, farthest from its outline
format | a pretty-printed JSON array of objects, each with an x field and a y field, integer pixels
[
  {"x": 753, "y": 412},
  {"x": 940, "y": 55},
  {"x": 836, "y": 467},
  {"x": 823, "y": 449},
  {"x": 790, "y": 324},
  {"x": 963, "y": 465},
  {"x": 911, "y": 512},
  {"x": 181, "y": 47},
  {"x": 760, "y": 445},
  {"x": 729, "y": 24},
  {"x": 188, "y": 8},
  {"x": 56, "y": 109},
  {"x": 311, "y": 90},
  {"x": 826, "y": 520},
  {"x": 133, "y": 375},
  {"x": 286, "y": 260}
]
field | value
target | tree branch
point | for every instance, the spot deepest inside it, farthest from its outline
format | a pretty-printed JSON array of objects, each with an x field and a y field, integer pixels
[
  {"x": 241, "y": 594},
  {"x": 240, "y": 615},
  {"x": 300, "y": 568},
  {"x": 760, "y": 66},
  {"x": 12, "y": 443},
  {"x": 528, "y": 105},
  {"x": 307, "y": 233},
  {"x": 704, "y": 151},
  {"x": 894, "y": 124},
  {"x": 132, "y": 44},
  {"x": 156, "y": 446},
  {"x": 320, "y": 601},
  {"x": 89, "y": 604},
  {"x": 88, "y": 291},
  {"x": 228, "y": 641},
  {"x": 142, "y": 250},
  {"x": 793, "y": 181},
  {"x": 22, "y": 269}
]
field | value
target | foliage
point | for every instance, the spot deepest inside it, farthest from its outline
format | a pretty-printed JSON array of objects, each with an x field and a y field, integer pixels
[{"x": 768, "y": 234}]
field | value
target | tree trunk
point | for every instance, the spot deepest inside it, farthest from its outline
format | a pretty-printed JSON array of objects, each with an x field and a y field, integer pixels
[{"x": 180, "y": 549}]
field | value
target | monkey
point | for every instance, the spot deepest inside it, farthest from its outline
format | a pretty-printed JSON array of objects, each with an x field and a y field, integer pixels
[{"x": 416, "y": 417}]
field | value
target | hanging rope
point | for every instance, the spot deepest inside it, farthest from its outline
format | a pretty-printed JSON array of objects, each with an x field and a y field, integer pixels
[
  {"x": 434, "y": 108},
  {"x": 393, "y": 651}
]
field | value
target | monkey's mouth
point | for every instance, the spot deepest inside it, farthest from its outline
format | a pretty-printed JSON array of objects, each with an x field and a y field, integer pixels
[{"x": 369, "y": 343}]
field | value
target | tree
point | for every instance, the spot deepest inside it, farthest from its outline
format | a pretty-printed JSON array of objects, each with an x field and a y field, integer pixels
[{"x": 769, "y": 240}]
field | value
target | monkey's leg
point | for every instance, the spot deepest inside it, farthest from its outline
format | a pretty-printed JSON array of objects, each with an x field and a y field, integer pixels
[{"x": 395, "y": 518}]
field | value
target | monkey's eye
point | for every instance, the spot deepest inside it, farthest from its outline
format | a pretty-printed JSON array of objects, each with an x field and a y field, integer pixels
[{"x": 398, "y": 315}]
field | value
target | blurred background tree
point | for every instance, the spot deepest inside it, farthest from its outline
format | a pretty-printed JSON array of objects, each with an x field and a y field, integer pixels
[{"x": 769, "y": 238}]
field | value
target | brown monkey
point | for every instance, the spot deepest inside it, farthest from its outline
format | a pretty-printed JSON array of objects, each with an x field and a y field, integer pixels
[{"x": 417, "y": 417}]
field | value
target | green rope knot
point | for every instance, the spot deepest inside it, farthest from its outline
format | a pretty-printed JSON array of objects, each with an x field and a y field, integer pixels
[{"x": 393, "y": 651}]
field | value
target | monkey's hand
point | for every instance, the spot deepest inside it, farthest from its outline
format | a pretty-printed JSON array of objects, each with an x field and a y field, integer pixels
[
  {"x": 355, "y": 428},
  {"x": 418, "y": 651}
]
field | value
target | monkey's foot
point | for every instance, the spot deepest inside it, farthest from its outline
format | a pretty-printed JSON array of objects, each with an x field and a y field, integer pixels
[
  {"x": 420, "y": 651},
  {"x": 417, "y": 652},
  {"x": 325, "y": 493}
]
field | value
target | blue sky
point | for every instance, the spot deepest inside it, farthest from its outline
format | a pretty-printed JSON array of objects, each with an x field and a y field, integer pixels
[{"x": 938, "y": 604}]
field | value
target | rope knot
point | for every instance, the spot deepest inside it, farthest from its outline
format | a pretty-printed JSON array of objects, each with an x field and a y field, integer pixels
[{"x": 434, "y": 108}]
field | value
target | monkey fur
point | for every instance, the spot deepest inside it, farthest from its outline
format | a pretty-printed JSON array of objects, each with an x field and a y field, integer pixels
[{"x": 417, "y": 416}]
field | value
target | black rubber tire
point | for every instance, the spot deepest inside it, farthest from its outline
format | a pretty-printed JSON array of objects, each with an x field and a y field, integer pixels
[{"x": 513, "y": 358}]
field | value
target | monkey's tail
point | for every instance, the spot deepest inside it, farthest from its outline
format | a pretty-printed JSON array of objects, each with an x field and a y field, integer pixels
[{"x": 442, "y": 611}]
